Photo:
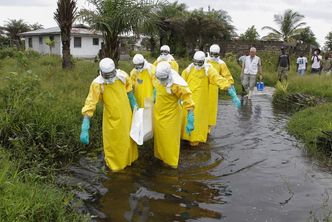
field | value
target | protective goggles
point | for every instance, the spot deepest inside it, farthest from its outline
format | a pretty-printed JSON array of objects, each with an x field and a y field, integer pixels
[
  {"x": 198, "y": 62},
  {"x": 164, "y": 52},
  {"x": 108, "y": 75},
  {"x": 139, "y": 66},
  {"x": 215, "y": 55},
  {"x": 163, "y": 79}
]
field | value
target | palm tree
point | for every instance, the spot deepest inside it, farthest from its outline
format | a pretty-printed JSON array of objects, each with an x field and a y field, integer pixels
[
  {"x": 171, "y": 18},
  {"x": 36, "y": 26},
  {"x": 65, "y": 16},
  {"x": 289, "y": 24},
  {"x": 115, "y": 17},
  {"x": 14, "y": 28}
]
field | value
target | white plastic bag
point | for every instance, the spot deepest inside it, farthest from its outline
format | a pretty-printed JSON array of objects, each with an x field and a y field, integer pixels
[
  {"x": 141, "y": 126},
  {"x": 147, "y": 120}
]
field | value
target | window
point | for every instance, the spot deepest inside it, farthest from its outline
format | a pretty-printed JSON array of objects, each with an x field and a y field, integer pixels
[
  {"x": 77, "y": 42},
  {"x": 52, "y": 37},
  {"x": 40, "y": 40},
  {"x": 95, "y": 41},
  {"x": 30, "y": 42}
]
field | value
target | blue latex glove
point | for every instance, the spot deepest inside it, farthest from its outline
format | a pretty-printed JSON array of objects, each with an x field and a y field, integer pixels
[
  {"x": 232, "y": 92},
  {"x": 132, "y": 100},
  {"x": 154, "y": 95},
  {"x": 84, "y": 137},
  {"x": 190, "y": 122}
]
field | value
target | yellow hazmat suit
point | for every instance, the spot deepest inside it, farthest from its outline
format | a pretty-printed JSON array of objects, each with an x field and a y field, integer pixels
[
  {"x": 221, "y": 68},
  {"x": 143, "y": 84},
  {"x": 198, "y": 81},
  {"x": 170, "y": 59},
  {"x": 120, "y": 150},
  {"x": 168, "y": 120}
]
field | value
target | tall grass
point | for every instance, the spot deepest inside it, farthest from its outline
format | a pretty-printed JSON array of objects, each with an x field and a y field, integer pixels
[
  {"x": 308, "y": 124},
  {"x": 24, "y": 199},
  {"x": 40, "y": 112}
]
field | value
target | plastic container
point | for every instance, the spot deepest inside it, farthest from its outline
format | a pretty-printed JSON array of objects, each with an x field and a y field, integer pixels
[{"x": 260, "y": 86}]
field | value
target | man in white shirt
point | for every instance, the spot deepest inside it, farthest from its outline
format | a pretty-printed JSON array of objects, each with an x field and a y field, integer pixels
[
  {"x": 251, "y": 66},
  {"x": 301, "y": 63},
  {"x": 316, "y": 62}
]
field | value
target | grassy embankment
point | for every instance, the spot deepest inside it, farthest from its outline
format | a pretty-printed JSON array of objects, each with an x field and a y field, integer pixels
[
  {"x": 312, "y": 114},
  {"x": 39, "y": 129},
  {"x": 310, "y": 123}
]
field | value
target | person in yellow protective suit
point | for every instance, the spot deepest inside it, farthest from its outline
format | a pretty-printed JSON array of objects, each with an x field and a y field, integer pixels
[
  {"x": 166, "y": 56},
  {"x": 142, "y": 79},
  {"x": 199, "y": 75},
  {"x": 170, "y": 88},
  {"x": 221, "y": 68},
  {"x": 113, "y": 87}
]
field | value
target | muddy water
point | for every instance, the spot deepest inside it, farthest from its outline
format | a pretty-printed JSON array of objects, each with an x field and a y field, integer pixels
[{"x": 250, "y": 170}]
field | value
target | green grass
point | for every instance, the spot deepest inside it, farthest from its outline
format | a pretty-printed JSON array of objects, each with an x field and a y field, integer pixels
[
  {"x": 309, "y": 123},
  {"x": 40, "y": 112},
  {"x": 24, "y": 199},
  {"x": 320, "y": 86}
]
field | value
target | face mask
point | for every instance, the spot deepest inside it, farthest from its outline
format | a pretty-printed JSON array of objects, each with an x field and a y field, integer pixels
[
  {"x": 109, "y": 76},
  {"x": 139, "y": 67},
  {"x": 215, "y": 58}
]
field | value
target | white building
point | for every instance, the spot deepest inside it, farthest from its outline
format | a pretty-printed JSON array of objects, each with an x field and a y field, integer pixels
[{"x": 84, "y": 42}]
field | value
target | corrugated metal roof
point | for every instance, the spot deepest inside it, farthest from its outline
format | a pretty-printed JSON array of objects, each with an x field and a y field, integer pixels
[{"x": 56, "y": 30}]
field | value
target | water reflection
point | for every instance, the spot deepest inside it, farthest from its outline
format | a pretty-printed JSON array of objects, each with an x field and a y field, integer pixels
[{"x": 165, "y": 194}]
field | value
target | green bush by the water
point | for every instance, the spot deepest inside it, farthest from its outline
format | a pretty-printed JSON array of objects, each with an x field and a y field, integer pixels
[{"x": 23, "y": 199}]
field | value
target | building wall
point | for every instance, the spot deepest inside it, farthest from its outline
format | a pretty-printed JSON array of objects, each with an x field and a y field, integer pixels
[
  {"x": 238, "y": 47},
  {"x": 43, "y": 48},
  {"x": 87, "y": 49}
]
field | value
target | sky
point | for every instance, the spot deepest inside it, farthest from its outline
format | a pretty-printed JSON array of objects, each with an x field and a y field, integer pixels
[{"x": 244, "y": 14}]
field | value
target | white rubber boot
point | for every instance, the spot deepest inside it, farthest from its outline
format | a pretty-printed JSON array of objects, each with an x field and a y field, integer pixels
[{"x": 250, "y": 94}]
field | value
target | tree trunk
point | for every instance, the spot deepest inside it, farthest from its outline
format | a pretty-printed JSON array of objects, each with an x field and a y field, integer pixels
[
  {"x": 152, "y": 45},
  {"x": 112, "y": 48},
  {"x": 65, "y": 39},
  {"x": 66, "y": 57}
]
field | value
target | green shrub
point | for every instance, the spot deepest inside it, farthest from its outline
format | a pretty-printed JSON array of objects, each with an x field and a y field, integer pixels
[{"x": 7, "y": 52}]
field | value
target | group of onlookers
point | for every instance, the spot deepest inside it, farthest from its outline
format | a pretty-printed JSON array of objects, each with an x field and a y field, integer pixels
[{"x": 319, "y": 65}]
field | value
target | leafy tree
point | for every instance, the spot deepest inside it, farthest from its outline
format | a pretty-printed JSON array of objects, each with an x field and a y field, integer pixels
[
  {"x": 307, "y": 36},
  {"x": 171, "y": 23},
  {"x": 36, "y": 26},
  {"x": 115, "y": 17},
  {"x": 328, "y": 43},
  {"x": 65, "y": 16},
  {"x": 204, "y": 28},
  {"x": 50, "y": 44},
  {"x": 289, "y": 25},
  {"x": 14, "y": 28},
  {"x": 250, "y": 34}
]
